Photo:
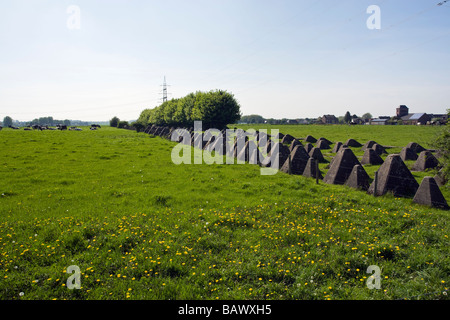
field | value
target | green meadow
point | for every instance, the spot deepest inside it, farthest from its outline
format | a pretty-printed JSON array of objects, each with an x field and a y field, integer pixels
[{"x": 112, "y": 203}]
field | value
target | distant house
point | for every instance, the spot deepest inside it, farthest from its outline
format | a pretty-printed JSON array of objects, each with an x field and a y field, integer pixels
[
  {"x": 416, "y": 118},
  {"x": 378, "y": 121},
  {"x": 439, "y": 118},
  {"x": 357, "y": 121},
  {"x": 402, "y": 111},
  {"x": 329, "y": 119},
  {"x": 291, "y": 121},
  {"x": 403, "y": 116}
]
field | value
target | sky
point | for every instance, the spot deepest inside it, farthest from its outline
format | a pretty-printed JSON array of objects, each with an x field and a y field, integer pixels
[{"x": 280, "y": 59}]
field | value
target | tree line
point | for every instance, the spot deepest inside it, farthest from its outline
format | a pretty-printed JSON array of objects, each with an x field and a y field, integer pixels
[
  {"x": 255, "y": 119},
  {"x": 42, "y": 121},
  {"x": 216, "y": 109}
]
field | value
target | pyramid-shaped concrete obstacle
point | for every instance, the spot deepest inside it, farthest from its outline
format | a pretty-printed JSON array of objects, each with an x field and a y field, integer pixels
[
  {"x": 323, "y": 145},
  {"x": 255, "y": 156},
  {"x": 368, "y": 145},
  {"x": 198, "y": 141},
  {"x": 287, "y": 139},
  {"x": 337, "y": 146},
  {"x": 311, "y": 169},
  {"x": 341, "y": 167},
  {"x": 308, "y": 147},
  {"x": 244, "y": 154},
  {"x": 371, "y": 157},
  {"x": 316, "y": 154},
  {"x": 299, "y": 159},
  {"x": 353, "y": 143},
  {"x": 262, "y": 138},
  {"x": 426, "y": 160},
  {"x": 294, "y": 143},
  {"x": 324, "y": 139},
  {"x": 267, "y": 147},
  {"x": 210, "y": 143},
  {"x": 408, "y": 154},
  {"x": 358, "y": 179},
  {"x": 394, "y": 176},
  {"x": 239, "y": 142},
  {"x": 310, "y": 139},
  {"x": 218, "y": 144},
  {"x": 331, "y": 161},
  {"x": 379, "y": 149},
  {"x": 279, "y": 135},
  {"x": 429, "y": 194},
  {"x": 276, "y": 160},
  {"x": 417, "y": 148}
]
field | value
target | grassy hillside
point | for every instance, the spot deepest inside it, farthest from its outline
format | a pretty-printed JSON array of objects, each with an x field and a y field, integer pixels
[{"x": 139, "y": 227}]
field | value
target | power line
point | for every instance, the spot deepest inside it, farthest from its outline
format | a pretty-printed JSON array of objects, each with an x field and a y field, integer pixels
[{"x": 164, "y": 90}]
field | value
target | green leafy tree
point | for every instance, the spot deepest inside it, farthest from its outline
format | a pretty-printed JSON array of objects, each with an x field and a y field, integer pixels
[
  {"x": 367, "y": 116},
  {"x": 122, "y": 124},
  {"x": 252, "y": 118},
  {"x": 114, "y": 122},
  {"x": 7, "y": 121},
  {"x": 138, "y": 125},
  {"x": 216, "y": 109},
  {"x": 169, "y": 112},
  {"x": 347, "y": 117},
  {"x": 442, "y": 143}
]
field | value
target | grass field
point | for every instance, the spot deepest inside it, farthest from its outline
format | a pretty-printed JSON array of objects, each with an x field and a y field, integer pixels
[{"x": 139, "y": 227}]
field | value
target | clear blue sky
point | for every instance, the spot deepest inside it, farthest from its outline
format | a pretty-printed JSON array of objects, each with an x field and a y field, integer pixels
[{"x": 281, "y": 59}]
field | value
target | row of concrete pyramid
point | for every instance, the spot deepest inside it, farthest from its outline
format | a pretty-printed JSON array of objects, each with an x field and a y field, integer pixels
[{"x": 393, "y": 175}]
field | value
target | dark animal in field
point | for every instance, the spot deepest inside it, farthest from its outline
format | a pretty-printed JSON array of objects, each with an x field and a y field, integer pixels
[
  {"x": 1, "y": 127},
  {"x": 61, "y": 127},
  {"x": 95, "y": 126},
  {"x": 27, "y": 129},
  {"x": 14, "y": 128}
]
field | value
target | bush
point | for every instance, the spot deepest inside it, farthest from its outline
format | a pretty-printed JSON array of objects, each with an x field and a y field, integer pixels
[
  {"x": 442, "y": 143},
  {"x": 216, "y": 109},
  {"x": 138, "y": 125},
  {"x": 123, "y": 125},
  {"x": 114, "y": 122}
]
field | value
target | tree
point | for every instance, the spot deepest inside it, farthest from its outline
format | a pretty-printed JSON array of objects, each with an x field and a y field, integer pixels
[
  {"x": 347, "y": 117},
  {"x": 442, "y": 143},
  {"x": 114, "y": 122},
  {"x": 216, "y": 109},
  {"x": 366, "y": 116},
  {"x": 7, "y": 121},
  {"x": 138, "y": 125},
  {"x": 123, "y": 124},
  {"x": 252, "y": 118}
]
